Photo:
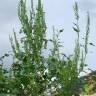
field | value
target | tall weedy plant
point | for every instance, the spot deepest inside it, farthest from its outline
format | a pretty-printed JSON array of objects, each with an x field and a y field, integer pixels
[
  {"x": 28, "y": 67},
  {"x": 67, "y": 70},
  {"x": 33, "y": 74}
]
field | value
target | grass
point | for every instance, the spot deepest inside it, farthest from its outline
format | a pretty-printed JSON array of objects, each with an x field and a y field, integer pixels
[{"x": 33, "y": 74}]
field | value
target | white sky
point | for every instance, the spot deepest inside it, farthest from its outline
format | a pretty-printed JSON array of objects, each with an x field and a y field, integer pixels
[{"x": 58, "y": 13}]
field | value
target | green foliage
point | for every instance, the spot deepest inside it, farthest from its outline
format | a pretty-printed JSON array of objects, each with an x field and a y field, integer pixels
[{"x": 32, "y": 73}]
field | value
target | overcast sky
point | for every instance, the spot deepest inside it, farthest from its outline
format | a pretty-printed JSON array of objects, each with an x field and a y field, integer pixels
[{"x": 59, "y": 13}]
